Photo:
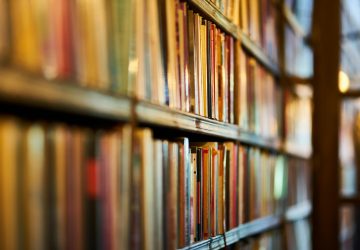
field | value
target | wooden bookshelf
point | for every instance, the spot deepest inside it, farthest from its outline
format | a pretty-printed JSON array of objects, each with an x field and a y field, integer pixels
[
  {"x": 352, "y": 93},
  {"x": 20, "y": 88},
  {"x": 25, "y": 90}
]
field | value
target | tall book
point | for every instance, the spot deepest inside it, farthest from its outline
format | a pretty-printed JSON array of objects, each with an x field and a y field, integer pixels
[
  {"x": 125, "y": 187},
  {"x": 10, "y": 134},
  {"x": 33, "y": 187}
]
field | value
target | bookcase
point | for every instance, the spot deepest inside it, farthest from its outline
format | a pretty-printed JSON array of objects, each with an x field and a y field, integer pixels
[{"x": 109, "y": 141}]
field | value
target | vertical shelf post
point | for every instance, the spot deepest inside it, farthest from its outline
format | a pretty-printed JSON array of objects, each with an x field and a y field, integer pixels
[{"x": 326, "y": 45}]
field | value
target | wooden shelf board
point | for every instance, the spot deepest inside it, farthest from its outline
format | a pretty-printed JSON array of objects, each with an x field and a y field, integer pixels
[
  {"x": 296, "y": 151},
  {"x": 299, "y": 80},
  {"x": 355, "y": 93},
  {"x": 258, "y": 53},
  {"x": 298, "y": 212},
  {"x": 19, "y": 88},
  {"x": 293, "y": 22},
  {"x": 234, "y": 235},
  {"x": 350, "y": 200},
  {"x": 153, "y": 114},
  {"x": 159, "y": 115},
  {"x": 253, "y": 228},
  {"x": 256, "y": 140}
]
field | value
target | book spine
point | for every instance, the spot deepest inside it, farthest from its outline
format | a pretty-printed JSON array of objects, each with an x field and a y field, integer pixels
[{"x": 199, "y": 195}]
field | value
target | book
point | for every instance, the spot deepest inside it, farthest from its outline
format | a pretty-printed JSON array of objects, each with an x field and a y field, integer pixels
[
  {"x": 33, "y": 186},
  {"x": 10, "y": 134},
  {"x": 4, "y": 30}
]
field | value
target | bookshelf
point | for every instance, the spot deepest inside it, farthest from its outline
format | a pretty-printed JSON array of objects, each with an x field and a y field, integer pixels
[{"x": 23, "y": 89}]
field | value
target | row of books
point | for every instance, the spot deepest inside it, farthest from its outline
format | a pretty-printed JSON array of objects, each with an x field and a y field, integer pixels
[
  {"x": 298, "y": 181},
  {"x": 63, "y": 187},
  {"x": 69, "y": 187},
  {"x": 173, "y": 57},
  {"x": 298, "y": 119},
  {"x": 256, "y": 18},
  {"x": 258, "y": 99}
]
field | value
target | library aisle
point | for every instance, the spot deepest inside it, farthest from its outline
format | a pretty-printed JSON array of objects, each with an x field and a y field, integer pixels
[{"x": 179, "y": 124}]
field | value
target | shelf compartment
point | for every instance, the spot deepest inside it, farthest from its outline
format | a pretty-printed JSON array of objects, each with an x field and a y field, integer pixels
[
  {"x": 298, "y": 212},
  {"x": 29, "y": 91}
]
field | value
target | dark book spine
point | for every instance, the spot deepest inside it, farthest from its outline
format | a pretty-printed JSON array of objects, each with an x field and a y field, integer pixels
[
  {"x": 51, "y": 229},
  {"x": 91, "y": 169},
  {"x": 199, "y": 194},
  {"x": 247, "y": 186},
  {"x": 166, "y": 185},
  {"x": 209, "y": 67},
  {"x": 228, "y": 185}
]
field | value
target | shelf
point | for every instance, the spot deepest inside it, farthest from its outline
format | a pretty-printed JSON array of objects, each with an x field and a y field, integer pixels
[
  {"x": 236, "y": 234},
  {"x": 296, "y": 151},
  {"x": 350, "y": 200},
  {"x": 258, "y": 53},
  {"x": 299, "y": 80},
  {"x": 210, "y": 11},
  {"x": 18, "y": 88},
  {"x": 293, "y": 22},
  {"x": 298, "y": 212},
  {"x": 152, "y": 114},
  {"x": 351, "y": 94},
  {"x": 256, "y": 140},
  {"x": 253, "y": 228}
]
